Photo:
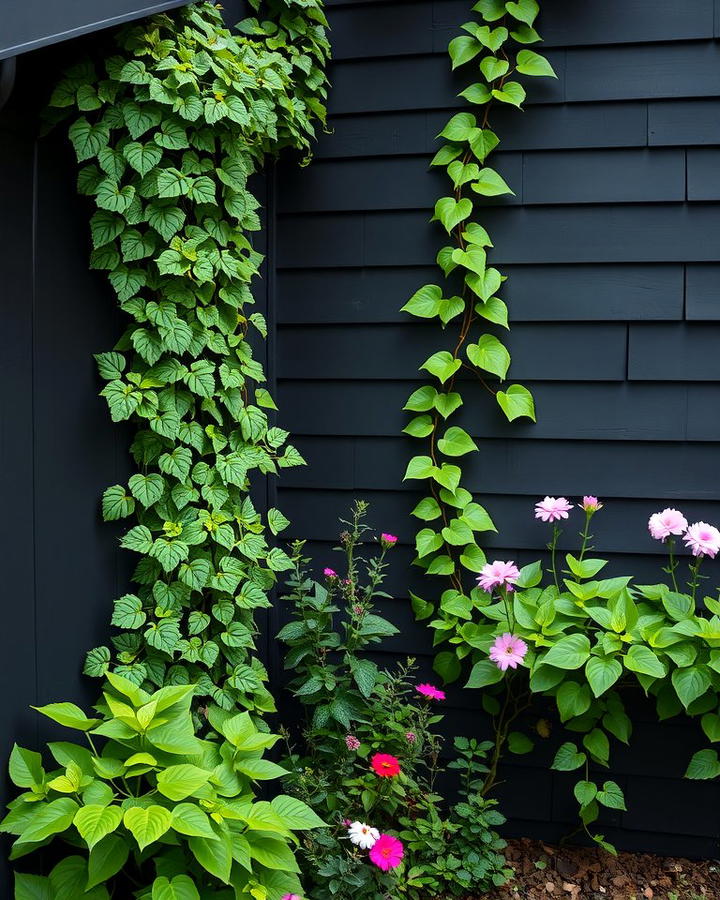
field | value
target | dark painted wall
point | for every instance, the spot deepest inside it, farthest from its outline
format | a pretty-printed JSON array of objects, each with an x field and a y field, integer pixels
[
  {"x": 612, "y": 245},
  {"x": 612, "y": 270}
]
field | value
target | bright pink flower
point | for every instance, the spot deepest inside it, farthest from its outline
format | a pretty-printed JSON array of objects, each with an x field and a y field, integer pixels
[
  {"x": 498, "y": 574},
  {"x": 552, "y": 509},
  {"x": 702, "y": 539},
  {"x": 668, "y": 522},
  {"x": 410, "y": 737},
  {"x": 591, "y": 504},
  {"x": 351, "y": 742},
  {"x": 508, "y": 650},
  {"x": 330, "y": 573},
  {"x": 389, "y": 540},
  {"x": 291, "y": 897},
  {"x": 385, "y": 765},
  {"x": 430, "y": 691},
  {"x": 387, "y": 852}
]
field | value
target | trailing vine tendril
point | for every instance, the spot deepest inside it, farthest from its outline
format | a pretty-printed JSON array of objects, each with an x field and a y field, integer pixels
[{"x": 447, "y": 545}]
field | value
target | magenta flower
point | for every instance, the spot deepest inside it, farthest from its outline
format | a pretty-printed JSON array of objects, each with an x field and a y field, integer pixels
[
  {"x": 291, "y": 897},
  {"x": 662, "y": 525},
  {"x": 702, "y": 539},
  {"x": 410, "y": 737},
  {"x": 387, "y": 852},
  {"x": 388, "y": 540},
  {"x": 508, "y": 650},
  {"x": 552, "y": 509},
  {"x": 430, "y": 691},
  {"x": 330, "y": 573},
  {"x": 351, "y": 742},
  {"x": 498, "y": 574},
  {"x": 590, "y": 504}
]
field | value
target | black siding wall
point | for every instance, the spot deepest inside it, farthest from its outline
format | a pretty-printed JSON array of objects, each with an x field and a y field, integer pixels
[{"x": 612, "y": 245}]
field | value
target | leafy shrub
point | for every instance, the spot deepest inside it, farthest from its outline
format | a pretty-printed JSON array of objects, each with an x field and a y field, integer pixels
[
  {"x": 155, "y": 801},
  {"x": 369, "y": 753},
  {"x": 583, "y": 640}
]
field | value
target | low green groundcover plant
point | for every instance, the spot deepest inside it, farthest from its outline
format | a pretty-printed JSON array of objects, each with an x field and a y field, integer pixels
[
  {"x": 149, "y": 810},
  {"x": 369, "y": 760},
  {"x": 583, "y": 639}
]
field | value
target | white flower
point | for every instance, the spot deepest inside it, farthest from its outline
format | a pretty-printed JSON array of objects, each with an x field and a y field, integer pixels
[{"x": 362, "y": 835}]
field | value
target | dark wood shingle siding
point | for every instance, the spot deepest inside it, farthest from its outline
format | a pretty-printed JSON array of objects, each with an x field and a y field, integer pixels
[{"x": 612, "y": 248}]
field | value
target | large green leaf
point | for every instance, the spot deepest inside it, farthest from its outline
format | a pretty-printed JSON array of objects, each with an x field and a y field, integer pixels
[
  {"x": 147, "y": 824},
  {"x": 569, "y": 652},
  {"x": 179, "y": 782},
  {"x": 106, "y": 859},
  {"x": 96, "y": 822}
]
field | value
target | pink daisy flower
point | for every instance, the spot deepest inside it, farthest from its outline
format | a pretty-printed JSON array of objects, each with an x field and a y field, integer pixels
[
  {"x": 591, "y": 504},
  {"x": 385, "y": 765},
  {"x": 702, "y": 539},
  {"x": 498, "y": 574},
  {"x": 430, "y": 691},
  {"x": 508, "y": 651},
  {"x": 389, "y": 540},
  {"x": 387, "y": 852},
  {"x": 552, "y": 509},
  {"x": 662, "y": 525}
]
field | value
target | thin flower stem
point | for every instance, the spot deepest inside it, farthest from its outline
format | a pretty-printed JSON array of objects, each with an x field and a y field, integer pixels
[
  {"x": 694, "y": 583},
  {"x": 552, "y": 546},
  {"x": 585, "y": 533},
  {"x": 673, "y": 563}
]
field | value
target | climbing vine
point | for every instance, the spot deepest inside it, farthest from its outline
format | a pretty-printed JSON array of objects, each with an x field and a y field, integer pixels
[
  {"x": 447, "y": 544},
  {"x": 168, "y": 136}
]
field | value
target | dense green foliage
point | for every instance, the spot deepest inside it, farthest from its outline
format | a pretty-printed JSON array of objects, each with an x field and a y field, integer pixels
[
  {"x": 355, "y": 709},
  {"x": 495, "y": 48},
  {"x": 172, "y": 124},
  {"x": 158, "y": 813},
  {"x": 169, "y": 134}
]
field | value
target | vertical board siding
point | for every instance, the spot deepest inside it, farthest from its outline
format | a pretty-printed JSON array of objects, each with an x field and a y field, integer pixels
[{"x": 611, "y": 246}]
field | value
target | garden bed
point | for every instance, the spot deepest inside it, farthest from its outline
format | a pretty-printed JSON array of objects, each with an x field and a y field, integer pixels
[{"x": 567, "y": 873}]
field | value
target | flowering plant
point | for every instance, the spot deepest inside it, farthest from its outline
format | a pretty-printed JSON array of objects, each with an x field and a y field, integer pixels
[
  {"x": 369, "y": 757},
  {"x": 581, "y": 640}
]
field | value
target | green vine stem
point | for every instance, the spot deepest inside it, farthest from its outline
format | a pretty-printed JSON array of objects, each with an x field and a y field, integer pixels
[
  {"x": 447, "y": 546},
  {"x": 181, "y": 115}
]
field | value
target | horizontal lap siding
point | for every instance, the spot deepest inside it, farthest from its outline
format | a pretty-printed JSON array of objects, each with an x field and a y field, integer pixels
[{"x": 611, "y": 245}]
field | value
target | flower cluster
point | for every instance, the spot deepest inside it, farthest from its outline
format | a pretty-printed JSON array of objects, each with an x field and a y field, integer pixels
[
  {"x": 700, "y": 538},
  {"x": 386, "y": 851}
]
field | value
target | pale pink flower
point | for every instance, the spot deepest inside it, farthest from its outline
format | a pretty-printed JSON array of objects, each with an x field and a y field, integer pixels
[
  {"x": 591, "y": 504},
  {"x": 552, "y": 509},
  {"x": 498, "y": 574},
  {"x": 330, "y": 573},
  {"x": 388, "y": 540},
  {"x": 410, "y": 737},
  {"x": 351, "y": 742},
  {"x": 702, "y": 539},
  {"x": 662, "y": 525},
  {"x": 430, "y": 691},
  {"x": 508, "y": 650},
  {"x": 387, "y": 852},
  {"x": 362, "y": 835}
]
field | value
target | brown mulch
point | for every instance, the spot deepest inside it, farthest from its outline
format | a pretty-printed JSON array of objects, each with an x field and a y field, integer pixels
[{"x": 543, "y": 872}]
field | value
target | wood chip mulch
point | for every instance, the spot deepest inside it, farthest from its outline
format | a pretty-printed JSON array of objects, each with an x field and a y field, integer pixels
[{"x": 543, "y": 872}]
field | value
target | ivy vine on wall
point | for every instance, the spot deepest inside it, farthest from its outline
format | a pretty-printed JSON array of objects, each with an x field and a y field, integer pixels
[
  {"x": 447, "y": 543},
  {"x": 168, "y": 136}
]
